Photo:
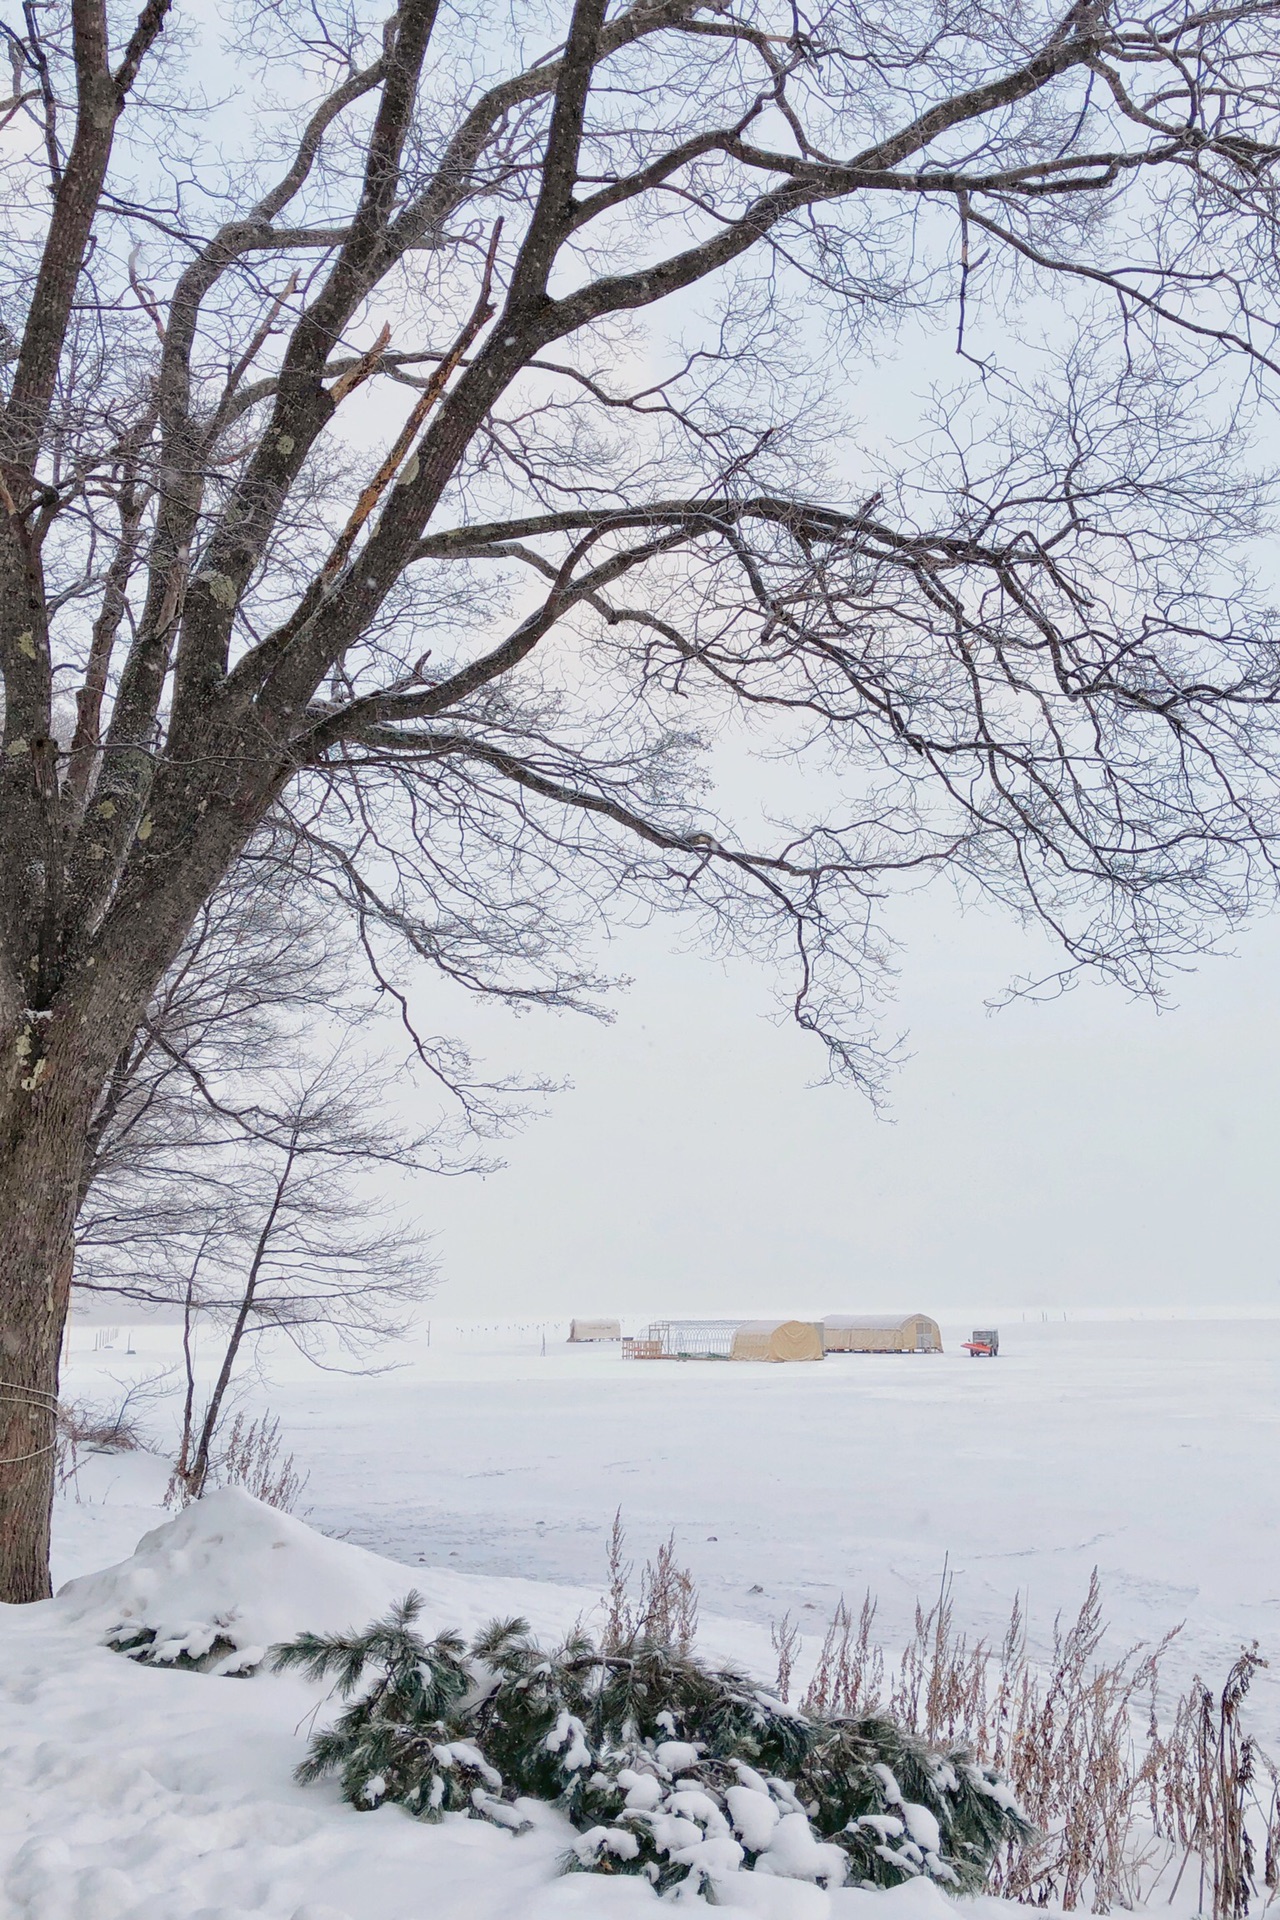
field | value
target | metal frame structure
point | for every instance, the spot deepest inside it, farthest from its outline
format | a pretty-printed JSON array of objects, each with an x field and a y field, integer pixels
[{"x": 683, "y": 1340}]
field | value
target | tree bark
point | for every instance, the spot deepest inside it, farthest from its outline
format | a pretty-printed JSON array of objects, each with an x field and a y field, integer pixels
[
  {"x": 43, "y": 1141},
  {"x": 54, "y": 1065}
]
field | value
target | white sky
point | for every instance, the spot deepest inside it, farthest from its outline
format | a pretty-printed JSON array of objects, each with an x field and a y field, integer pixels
[{"x": 1091, "y": 1153}]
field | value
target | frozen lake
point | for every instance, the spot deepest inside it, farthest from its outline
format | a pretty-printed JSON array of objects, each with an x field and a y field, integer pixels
[{"x": 1150, "y": 1449}]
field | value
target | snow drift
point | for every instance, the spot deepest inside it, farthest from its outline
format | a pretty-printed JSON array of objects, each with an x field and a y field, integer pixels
[{"x": 230, "y": 1570}]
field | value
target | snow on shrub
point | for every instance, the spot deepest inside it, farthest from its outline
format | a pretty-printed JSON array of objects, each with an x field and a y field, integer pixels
[{"x": 665, "y": 1766}]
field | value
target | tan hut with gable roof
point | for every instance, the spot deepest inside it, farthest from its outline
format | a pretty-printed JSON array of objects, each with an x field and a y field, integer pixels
[{"x": 881, "y": 1333}]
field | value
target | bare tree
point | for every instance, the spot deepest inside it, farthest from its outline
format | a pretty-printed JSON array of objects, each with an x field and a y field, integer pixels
[
  {"x": 300, "y": 1247},
  {"x": 272, "y": 1226},
  {"x": 286, "y": 440},
  {"x": 258, "y": 967},
  {"x": 230, "y": 1175},
  {"x": 268, "y": 981}
]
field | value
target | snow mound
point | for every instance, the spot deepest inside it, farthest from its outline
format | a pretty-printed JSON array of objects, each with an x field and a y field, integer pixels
[{"x": 231, "y": 1569}]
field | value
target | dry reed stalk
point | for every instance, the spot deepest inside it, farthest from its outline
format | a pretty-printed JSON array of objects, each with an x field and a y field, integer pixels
[
  {"x": 618, "y": 1625},
  {"x": 1204, "y": 1793},
  {"x": 941, "y": 1688},
  {"x": 849, "y": 1675},
  {"x": 667, "y": 1608},
  {"x": 253, "y": 1458},
  {"x": 785, "y": 1635},
  {"x": 1066, "y": 1741},
  {"x": 1113, "y": 1809},
  {"x": 1271, "y": 1850}
]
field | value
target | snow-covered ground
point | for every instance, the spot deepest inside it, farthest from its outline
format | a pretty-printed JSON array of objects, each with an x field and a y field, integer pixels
[
  {"x": 132, "y": 1792},
  {"x": 1147, "y": 1448},
  {"x": 492, "y": 1471}
]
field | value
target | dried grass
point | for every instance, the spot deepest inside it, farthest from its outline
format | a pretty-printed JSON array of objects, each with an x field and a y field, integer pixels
[
  {"x": 1121, "y": 1806},
  {"x": 254, "y": 1458},
  {"x": 785, "y": 1635},
  {"x": 251, "y": 1457},
  {"x": 1124, "y": 1804},
  {"x": 82, "y": 1426},
  {"x": 1205, "y": 1788},
  {"x": 666, "y": 1608},
  {"x": 849, "y": 1676}
]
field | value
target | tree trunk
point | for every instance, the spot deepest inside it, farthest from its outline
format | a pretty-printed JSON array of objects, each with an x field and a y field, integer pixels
[
  {"x": 41, "y": 1144},
  {"x": 199, "y": 1472},
  {"x": 54, "y": 1066},
  {"x": 55, "y": 1063}
]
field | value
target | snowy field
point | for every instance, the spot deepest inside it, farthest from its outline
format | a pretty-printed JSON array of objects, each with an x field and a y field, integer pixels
[
  {"x": 1151, "y": 1450},
  {"x": 1148, "y": 1449}
]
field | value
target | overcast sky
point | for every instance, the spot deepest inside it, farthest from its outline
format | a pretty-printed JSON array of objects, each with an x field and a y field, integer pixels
[{"x": 1092, "y": 1152}]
